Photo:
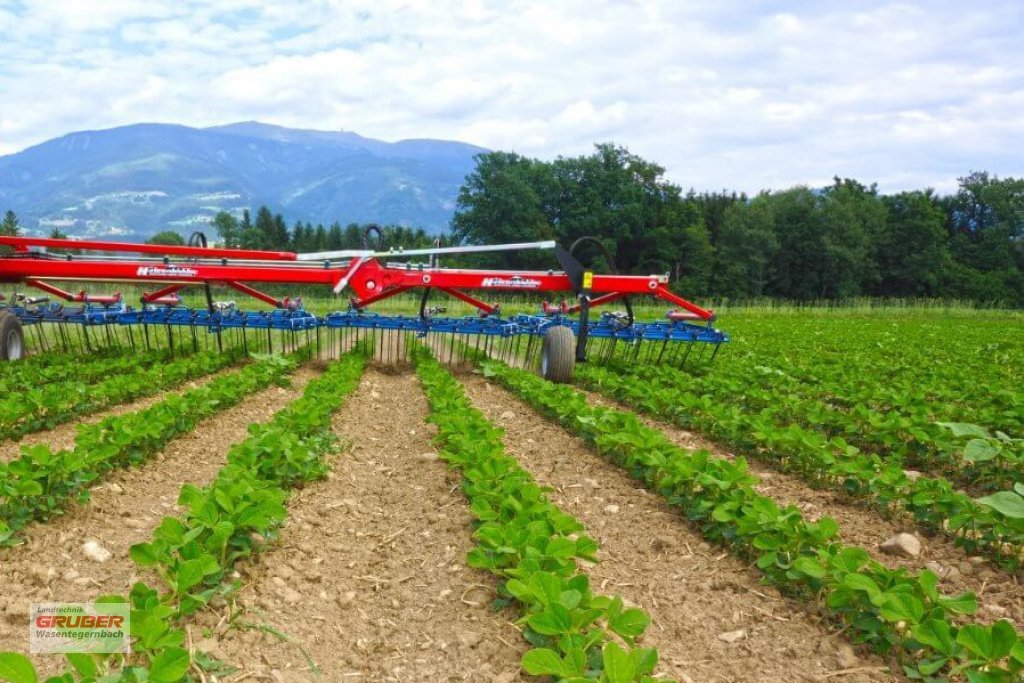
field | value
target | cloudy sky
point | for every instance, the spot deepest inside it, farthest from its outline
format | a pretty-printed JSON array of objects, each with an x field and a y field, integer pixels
[{"x": 739, "y": 95}]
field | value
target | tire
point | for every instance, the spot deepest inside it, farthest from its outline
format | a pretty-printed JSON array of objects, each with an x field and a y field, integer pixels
[
  {"x": 558, "y": 354},
  {"x": 12, "y": 341}
]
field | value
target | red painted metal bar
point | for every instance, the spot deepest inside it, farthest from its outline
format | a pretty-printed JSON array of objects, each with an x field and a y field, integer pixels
[
  {"x": 23, "y": 243},
  {"x": 81, "y": 297},
  {"x": 255, "y": 293},
  {"x": 114, "y": 298},
  {"x": 151, "y": 298},
  {"x": 50, "y": 289},
  {"x": 18, "y": 269},
  {"x": 472, "y": 301},
  {"x": 599, "y": 300},
  {"x": 552, "y": 309},
  {"x": 515, "y": 281},
  {"x": 379, "y": 296},
  {"x": 702, "y": 313},
  {"x": 170, "y": 300}
]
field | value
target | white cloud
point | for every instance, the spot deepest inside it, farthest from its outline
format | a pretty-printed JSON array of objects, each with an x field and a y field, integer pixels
[{"x": 727, "y": 95}]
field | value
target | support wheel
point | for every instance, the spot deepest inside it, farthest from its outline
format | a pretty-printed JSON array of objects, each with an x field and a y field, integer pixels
[
  {"x": 558, "y": 354},
  {"x": 12, "y": 341}
]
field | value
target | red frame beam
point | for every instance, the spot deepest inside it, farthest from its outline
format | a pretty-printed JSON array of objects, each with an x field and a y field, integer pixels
[
  {"x": 149, "y": 298},
  {"x": 379, "y": 296},
  {"x": 599, "y": 301},
  {"x": 81, "y": 297},
  {"x": 22, "y": 244},
  {"x": 255, "y": 293},
  {"x": 472, "y": 301}
]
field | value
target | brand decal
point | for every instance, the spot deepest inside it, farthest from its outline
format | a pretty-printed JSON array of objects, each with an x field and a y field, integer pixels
[
  {"x": 166, "y": 271},
  {"x": 515, "y": 282}
]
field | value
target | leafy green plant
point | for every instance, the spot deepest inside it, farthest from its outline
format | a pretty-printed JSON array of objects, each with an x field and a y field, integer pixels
[
  {"x": 534, "y": 548},
  {"x": 194, "y": 554},
  {"x": 41, "y": 483},
  {"x": 822, "y": 461},
  {"x": 44, "y": 407},
  {"x": 887, "y": 609}
]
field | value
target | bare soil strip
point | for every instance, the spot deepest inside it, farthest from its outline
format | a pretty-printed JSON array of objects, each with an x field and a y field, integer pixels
[
  {"x": 53, "y": 566},
  {"x": 1000, "y": 594},
  {"x": 63, "y": 436},
  {"x": 711, "y": 618},
  {"x": 369, "y": 579}
]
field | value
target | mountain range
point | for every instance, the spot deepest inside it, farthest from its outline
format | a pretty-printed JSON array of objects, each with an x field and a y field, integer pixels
[{"x": 133, "y": 181}]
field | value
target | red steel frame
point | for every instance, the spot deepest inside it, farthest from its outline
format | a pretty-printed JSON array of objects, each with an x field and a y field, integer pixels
[{"x": 370, "y": 280}]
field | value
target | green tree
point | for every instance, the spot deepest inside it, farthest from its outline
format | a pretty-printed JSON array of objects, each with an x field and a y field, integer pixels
[
  {"x": 9, "y": 225},
  {"x": 852, "y": 219},
  {"x": 279, "y": 237},
  {"x": 618, "y": 197},
  {"x": 912, "y": 248},
  {"x": 796, "y": 269},
  {"x": 265, "y": 229},
  {"x": 167, "y": 238},
  {"x": 335, "y": 237},
  {"x": 500, "y": 202},
  {"x": 746, "y": 247},
  {"x": 228, "y": 229}
]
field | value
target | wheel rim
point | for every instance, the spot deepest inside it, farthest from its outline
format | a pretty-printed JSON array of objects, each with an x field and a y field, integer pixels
[{"x": 13, "y": 346}]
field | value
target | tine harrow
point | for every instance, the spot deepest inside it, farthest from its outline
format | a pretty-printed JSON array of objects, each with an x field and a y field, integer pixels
[{"x": 555, "y": 338}]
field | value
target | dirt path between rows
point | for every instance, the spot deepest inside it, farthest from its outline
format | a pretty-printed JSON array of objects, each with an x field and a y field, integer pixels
[
  {"x": 369, "y": 578},
  {"x": 1000, "y": 595},
  {"x": 63, "y": 436},
  {"x": 52, "y": 566},
  {"x": 698, "y": 596}
]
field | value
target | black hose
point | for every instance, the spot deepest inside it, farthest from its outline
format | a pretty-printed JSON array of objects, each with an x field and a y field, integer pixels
[{"x": 371, "y": 228}]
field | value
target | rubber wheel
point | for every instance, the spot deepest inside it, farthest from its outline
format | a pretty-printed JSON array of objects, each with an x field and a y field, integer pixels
[
  {"x": 558, "y": 354},
  {"x": 12, "y": 341}
]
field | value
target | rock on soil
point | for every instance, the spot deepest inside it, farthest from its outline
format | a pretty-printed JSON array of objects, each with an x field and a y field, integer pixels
[
  {"x": 95, "y": 552},
  {"x": 903, "y": 544}
]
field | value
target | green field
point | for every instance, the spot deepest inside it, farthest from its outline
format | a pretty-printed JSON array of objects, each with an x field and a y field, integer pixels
[{"x": 782, "y": 468}]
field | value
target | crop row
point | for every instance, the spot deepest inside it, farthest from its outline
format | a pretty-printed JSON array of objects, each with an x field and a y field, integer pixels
[
  {"x": 194, "y": 555},
  {"x": 87, "y": 370},
  {"x": 533, "y": 546},
  {"x": 893, "y": 612},
  {"x": 41, "y": 482},
  {"x": 46, "y": 364},
  {"x": 993, "y": 524},
  {"x": 967, "y": 454},
  {"x": 45, "y": 407}
]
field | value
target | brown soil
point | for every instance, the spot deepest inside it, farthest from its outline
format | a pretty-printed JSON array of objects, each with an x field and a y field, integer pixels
[
  {"x": 369, "y": 580},
  {"x": 1000, "y": 594},
  {"x": 695, "y": 593},
  {"x": 51, "y": 566},
  {"x": 63, "y": 436}
]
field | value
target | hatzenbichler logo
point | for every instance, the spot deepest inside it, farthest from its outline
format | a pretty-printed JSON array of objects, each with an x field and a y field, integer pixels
[
  {"x": 165, "y": 271},
  {"x": 58, "y": 627}
]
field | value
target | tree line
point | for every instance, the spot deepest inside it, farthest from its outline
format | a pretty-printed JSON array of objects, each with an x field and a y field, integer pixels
[
  {"x": 845, "y": 240},
  {"x": 269, "y": 231}
]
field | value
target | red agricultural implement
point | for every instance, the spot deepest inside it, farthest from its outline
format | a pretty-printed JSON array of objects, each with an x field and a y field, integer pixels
[{"x": 561, "y": 332}]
